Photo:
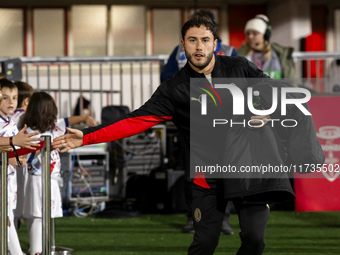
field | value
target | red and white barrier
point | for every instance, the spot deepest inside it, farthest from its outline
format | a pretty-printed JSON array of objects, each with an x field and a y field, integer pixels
[{"x": 321, "y": 192}]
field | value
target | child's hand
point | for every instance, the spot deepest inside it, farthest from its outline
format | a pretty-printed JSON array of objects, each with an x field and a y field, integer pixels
[
  {"x": 26, "y": 140},
  {"x": 13, "y": 161},
  {"x": 23, "y": 160},
  {"x": 5, "y": 148},
  {"x": 90, "y": 121}
]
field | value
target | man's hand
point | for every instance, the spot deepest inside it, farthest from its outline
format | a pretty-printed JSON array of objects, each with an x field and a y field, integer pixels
[
  {"x": 73, "y": 139},
  {"x": 259, "y": 121},
  {"x": 26, "y": 140}
]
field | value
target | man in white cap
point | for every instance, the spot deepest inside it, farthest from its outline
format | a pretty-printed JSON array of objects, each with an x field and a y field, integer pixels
[{"x": 275, "y": 60}]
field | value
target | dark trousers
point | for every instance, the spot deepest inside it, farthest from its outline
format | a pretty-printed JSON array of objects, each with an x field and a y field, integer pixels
[
  {"x": 208, "y": 212},
  {"x": 188, "y": 201}
]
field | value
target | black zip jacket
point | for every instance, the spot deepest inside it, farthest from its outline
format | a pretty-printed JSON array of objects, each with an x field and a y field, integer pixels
[{"x": 171, "y": 101}]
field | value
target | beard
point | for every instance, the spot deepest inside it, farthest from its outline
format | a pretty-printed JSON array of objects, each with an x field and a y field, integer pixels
[{"x": 199, "y": 65}]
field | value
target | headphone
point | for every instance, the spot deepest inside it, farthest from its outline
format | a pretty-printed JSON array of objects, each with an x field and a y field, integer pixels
[{"x": 268, "y": 31}]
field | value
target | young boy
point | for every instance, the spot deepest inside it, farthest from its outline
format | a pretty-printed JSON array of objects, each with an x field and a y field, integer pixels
[
  {"x": 25, "y": 91},
  {"x": 9, "y": 129}
]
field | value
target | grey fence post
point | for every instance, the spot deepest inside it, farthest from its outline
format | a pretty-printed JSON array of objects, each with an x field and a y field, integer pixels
[
  {"x": 4, "y": 157},
  {"x": 46, "y": 196}
]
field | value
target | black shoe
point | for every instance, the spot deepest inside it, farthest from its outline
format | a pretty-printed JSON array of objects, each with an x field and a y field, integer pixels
[{"x": 189, "y": 227}]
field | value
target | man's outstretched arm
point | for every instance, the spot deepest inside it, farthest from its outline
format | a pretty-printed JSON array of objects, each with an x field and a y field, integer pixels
[
  {"x": 73, "y": 139},
  {"x": 157, "y": 109}
]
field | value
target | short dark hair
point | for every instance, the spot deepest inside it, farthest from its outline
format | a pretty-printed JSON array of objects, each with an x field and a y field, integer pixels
[
  {"x": 4, "y": 83},
  {"x": 77, "y": 111},
  {"x": 206, "y": 13},
  {"x": 41, "y": 112},
  {"x": 24, "y": 91},
  {"x": 197, "y": 21}
]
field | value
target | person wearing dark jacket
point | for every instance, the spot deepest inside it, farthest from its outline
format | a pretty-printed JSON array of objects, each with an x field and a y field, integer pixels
[
  {"x": 172, "y": 101},
  {"x": 177, "y": 61}
]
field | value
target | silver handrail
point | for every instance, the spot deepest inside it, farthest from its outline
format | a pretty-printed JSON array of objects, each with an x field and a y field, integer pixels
[
  {"x": 4, "y": 158},
  {"x": 130, "y": 80},
  {"x": 90, "y": 59},
  {"x": 315, "y": 55},
  {"x": 47, "y": 229},
  {"x": 46, "y": 196}
]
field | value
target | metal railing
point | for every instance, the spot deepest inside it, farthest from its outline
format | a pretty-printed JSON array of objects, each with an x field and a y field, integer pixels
[
  {"x": 318, "y": 71},
  {"x": 48, "y": 246},
  {"x": 104, "y": 81},
  {"x": 3, "y": 204},
  {"x": 46, "y": 196},
  {"x": 131, "y": 80}
]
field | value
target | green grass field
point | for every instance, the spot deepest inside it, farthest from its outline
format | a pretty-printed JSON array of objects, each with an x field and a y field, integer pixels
[{"x": 288, "y": 232}]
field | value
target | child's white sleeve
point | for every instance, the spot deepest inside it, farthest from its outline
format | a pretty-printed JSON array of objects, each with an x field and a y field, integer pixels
[{"x": 60, "y": 127}]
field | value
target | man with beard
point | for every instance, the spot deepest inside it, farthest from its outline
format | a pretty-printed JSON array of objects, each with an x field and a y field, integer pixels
[
  {"x": 177, "y": 61},
  {"x": 171, "y": 101},
  {"x": 177, "y": 58}
]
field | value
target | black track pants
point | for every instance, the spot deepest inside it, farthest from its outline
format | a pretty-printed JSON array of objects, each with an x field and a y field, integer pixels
[{"x": 208, "y": 212}]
